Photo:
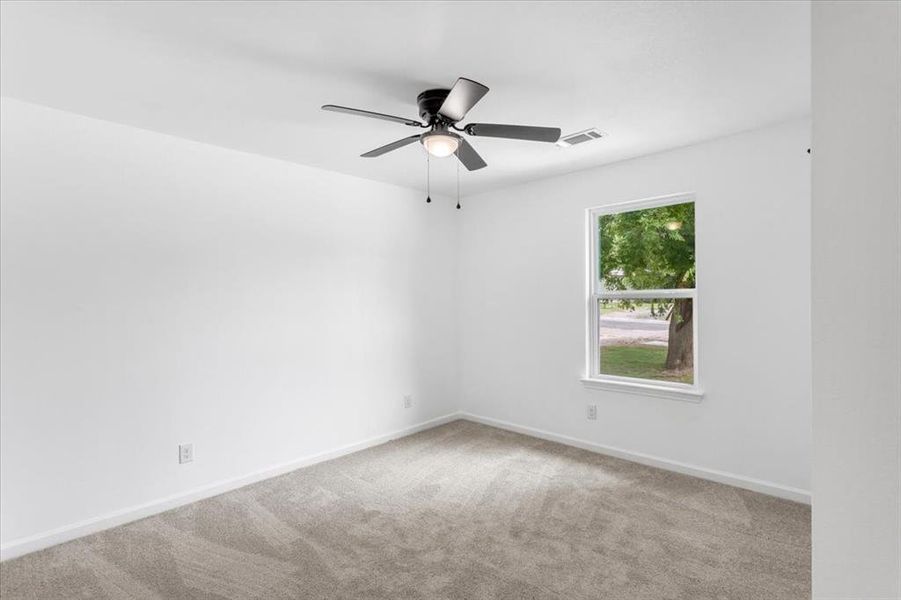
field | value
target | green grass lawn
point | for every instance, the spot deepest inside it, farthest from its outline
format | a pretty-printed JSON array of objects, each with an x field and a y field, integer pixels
[{"x": 645, "y": 362}]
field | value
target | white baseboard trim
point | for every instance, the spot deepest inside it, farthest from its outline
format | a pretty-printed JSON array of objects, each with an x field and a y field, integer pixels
[
  {"x": 748, "y": 483},
  {"x": 67, "y": 533}
]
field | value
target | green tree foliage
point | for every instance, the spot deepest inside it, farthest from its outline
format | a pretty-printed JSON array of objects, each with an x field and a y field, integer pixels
[{"x": 648, "y": 249}]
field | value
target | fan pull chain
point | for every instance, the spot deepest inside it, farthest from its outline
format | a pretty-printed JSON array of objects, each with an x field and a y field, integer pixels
[
  {"x": 458, "y": 185},
  {"x": 428, "y": 178}
]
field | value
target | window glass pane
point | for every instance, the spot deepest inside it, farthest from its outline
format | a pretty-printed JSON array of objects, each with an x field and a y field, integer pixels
[
  {"x": 648, "y": 249},
  {"x": 647, "y": 339}
]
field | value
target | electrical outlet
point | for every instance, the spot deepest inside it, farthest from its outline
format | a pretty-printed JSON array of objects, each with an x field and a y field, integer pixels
[
  {"x": 408, "y": 401},
  {"x": 185, "y": 453},
  {"x": 592, "y": 412}
]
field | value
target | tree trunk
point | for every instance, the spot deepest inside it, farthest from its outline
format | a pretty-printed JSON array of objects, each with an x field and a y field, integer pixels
[{"x": 680, "y": 351}]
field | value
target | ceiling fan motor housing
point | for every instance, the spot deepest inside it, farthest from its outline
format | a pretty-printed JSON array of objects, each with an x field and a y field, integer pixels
[{"x": 430, "y": 102}]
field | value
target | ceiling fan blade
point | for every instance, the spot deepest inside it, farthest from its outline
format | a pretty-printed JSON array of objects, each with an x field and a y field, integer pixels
[
  {"x": 469, "y": 157},
  {"x": 514, "y": 132},
  {"x": 392, "y": 146},
  {"x": 462, "y": 97},
  {"x": 371, "y": 115}
]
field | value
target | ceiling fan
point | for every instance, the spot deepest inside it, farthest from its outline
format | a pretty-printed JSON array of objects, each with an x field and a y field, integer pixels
[{"x": 442, "y": 109}]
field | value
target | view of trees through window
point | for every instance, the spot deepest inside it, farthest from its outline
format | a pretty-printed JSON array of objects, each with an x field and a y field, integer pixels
[{"x": 646, "y": 251}]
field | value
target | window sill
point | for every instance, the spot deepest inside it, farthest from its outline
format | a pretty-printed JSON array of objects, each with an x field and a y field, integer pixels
[{"x": 645, "y": 389}]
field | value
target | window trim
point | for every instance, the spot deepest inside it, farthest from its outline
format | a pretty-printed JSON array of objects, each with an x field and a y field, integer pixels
[{"x": 593, "y": 378}]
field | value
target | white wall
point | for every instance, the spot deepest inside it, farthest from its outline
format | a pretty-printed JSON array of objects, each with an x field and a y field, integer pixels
[
  {"x": 523, "y": 308},
  {"x": 158, "y": 291},
  {"x": 856, "y": 300}
]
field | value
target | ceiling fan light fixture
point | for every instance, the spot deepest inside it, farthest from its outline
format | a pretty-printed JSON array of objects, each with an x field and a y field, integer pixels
[{"x": 440, "y": 144}]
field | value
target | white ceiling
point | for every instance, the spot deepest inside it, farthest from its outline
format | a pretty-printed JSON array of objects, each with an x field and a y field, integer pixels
[{"x": 252, "y": 75}]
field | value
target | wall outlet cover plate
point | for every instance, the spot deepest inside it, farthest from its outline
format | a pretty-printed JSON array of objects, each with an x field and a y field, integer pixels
[{"x": 185, "y": 453}]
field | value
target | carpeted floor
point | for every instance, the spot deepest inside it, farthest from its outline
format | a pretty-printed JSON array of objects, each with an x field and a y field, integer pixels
[{"x": 462, "y": 511}]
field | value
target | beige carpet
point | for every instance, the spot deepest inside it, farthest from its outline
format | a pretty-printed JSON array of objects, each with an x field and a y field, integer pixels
[{"x": 461, "y": 511}]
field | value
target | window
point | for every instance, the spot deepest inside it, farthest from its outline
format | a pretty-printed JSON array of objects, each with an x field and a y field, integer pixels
[{"x": 642, "y": 306}]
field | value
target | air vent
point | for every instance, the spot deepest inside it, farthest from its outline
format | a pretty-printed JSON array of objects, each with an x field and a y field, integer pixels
[{"x": 580, "y": 137}]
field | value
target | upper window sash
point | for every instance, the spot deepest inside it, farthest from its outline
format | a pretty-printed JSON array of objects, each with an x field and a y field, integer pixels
[{"x": 596, "y": 285}]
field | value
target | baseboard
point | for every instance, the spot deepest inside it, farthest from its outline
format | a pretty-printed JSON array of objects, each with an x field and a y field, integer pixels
[
  {"x": 67, "y": 533},
  {"x": 748, "y": 483}
]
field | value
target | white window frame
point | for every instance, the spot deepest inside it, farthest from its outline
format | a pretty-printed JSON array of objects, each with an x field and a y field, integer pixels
[{"x": 595, "y": 292}]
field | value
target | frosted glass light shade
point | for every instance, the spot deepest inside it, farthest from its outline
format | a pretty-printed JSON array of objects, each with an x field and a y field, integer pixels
[{"x": 440, "y": 145}]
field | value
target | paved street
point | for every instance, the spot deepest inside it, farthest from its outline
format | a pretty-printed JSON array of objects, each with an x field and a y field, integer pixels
[{"x": 617, "y": 330}]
